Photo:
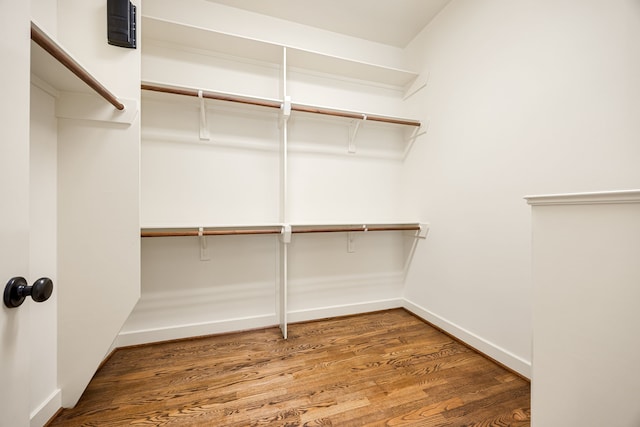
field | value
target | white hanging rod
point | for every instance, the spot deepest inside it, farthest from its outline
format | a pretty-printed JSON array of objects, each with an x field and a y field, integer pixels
[
  {"x": 278, "y": 104},
  {"x": 58, "y": 53}
]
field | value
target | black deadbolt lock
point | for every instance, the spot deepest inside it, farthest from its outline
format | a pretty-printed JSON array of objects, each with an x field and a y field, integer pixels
[{"x": 17, "y": 290}]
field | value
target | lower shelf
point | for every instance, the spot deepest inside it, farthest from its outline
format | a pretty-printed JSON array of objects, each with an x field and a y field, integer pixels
[
  {"x": 304, "y": 274},
  {"x": 421, "y": 228}
]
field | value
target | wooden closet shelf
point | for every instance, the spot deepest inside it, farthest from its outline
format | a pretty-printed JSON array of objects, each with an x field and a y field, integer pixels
[
  {"x": 56, "y": 51},
  {"x": 183, "y": 32},
  {"x": 278, "y": 104}
]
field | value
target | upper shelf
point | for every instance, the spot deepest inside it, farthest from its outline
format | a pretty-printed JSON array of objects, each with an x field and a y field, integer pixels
[
  {"x": 271, "y": 103},
  {"x": 53, "y": 64},
  {"x": 233, "y": 45}
]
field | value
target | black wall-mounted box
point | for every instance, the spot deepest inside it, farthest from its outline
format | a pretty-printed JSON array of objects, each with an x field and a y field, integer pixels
[{"x": 121, "y": 23}]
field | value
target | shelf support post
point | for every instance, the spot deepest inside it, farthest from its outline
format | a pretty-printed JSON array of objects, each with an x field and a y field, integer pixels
[{"x": 282, "y": 298}]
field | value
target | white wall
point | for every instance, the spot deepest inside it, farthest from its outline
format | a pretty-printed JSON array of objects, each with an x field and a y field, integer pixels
[
  {"x": 231, "y": 179},
  {"x": 325, "y": 279},
  {"x": 526, "y": 97},
  {"x": 523, "y": 98},
  {"x": 45, "y": 14}
]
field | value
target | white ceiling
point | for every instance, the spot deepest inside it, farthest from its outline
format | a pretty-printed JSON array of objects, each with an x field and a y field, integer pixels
[{"x": 392, "y": 22}]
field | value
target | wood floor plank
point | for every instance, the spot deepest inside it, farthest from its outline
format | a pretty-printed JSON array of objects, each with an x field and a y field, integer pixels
[{"x": 379, "y": 369}]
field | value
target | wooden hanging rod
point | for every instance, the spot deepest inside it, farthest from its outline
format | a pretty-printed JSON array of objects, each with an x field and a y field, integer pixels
[
  {"x": 218, "y": 232},
  {"x": 46, "y": 43},
  {"x": 352, "y": 115},
  {"x": 211, "y": 95},
  {"x": 278, "y": 230},
  {"x": 278, "y": 104},
  {"x": 360, "y": 228}
]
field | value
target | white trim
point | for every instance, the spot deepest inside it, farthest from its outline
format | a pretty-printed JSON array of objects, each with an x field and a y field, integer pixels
[
  {"x": 603, "y": 197},
  {"x": 145, "y": 336},
  {"x": 343, "y": 310},
  {"x": 521, "y": 366},
  {"x": 46, "y": 410}
]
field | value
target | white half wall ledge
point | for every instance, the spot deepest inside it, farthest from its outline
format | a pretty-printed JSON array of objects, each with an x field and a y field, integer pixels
[
  {"x": 487, "y": 348},
  {"x": 591, "y": 198}
]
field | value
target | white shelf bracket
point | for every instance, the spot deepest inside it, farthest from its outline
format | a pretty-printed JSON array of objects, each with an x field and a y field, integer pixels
[
  {"x": 351, "y": 244},
  {"x": 351, "y": 239},
  {"x": 353, "y": 132},
  {"x": 286, "y": 234},
  {"x": 204, "y": 252},
  {"x": 424, "y": 230},
  {"x": 415, "y": 133},
  {"x": 416, "y": 86},
  {"x": 204, "y": 128},
  {"x": 285, "y": 112}
]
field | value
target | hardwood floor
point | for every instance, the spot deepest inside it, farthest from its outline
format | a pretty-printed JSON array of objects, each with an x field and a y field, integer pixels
[{"x": 380, "y": 369}]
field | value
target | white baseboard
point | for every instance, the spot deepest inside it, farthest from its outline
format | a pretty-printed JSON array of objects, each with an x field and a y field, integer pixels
[
  {"x": 173, "y": 332},
  {"x": 46, "y": 410},
  {"x": 510, "y": 360},
  {"x": 343, "y": 310}
]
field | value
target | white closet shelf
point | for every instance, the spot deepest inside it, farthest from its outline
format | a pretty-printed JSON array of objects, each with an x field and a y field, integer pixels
[
  {"x": 271, "y": 103},
  {"x": 234, "y": 230},
  {"x": 54, "y": 65},
  {"x": 238, "y": 46}
]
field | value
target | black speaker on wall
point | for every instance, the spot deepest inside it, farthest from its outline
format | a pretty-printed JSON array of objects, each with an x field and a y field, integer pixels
[{"x": 121, "y": 23}]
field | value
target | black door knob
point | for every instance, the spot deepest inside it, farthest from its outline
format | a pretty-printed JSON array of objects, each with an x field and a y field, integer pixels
[{"x": 17, "y": 290}]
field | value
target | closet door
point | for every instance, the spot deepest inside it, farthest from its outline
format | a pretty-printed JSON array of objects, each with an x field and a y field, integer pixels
[{"x": 14, "y": 209}]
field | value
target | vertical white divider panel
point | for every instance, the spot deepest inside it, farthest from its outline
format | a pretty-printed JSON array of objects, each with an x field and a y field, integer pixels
[
  {"x": 286, "y": 231},
  {"x": 98, "y": 206}
]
